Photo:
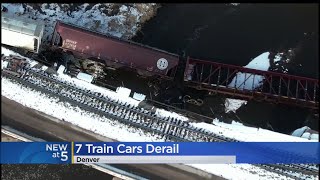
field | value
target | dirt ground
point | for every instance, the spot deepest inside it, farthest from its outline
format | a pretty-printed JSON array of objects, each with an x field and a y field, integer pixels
[{"x": 6, "y": 138}]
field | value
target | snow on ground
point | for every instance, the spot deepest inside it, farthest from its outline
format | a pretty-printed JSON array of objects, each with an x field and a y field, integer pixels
[
  {"x": 105, "y": 92},
  {"x": 233, "y": 104},
  {"x": 121, "y": 132},
  {"x": 165, "y": 113},
  {"x": 75, "y": 115},
  {"x": 107, "y": 18},
  {"x": 101, "y": 125},
  {"x": 260, "y": 63},
  {"x": 239, "y": 171},
  {"x": 234, "y": 130},
  {"x": 240, "y": 132},
  {"x": 125, "y": 24},
  {"x": 303, "y": 132},
  {"x": 299, "y": 132},
  {"x": 314, "y": 137},
  {"x": 8, "y": 52},
  {"x": 4, "y": 64},
  {"x": 251, "y": 81},
  {"x": 120, "y": 97}
]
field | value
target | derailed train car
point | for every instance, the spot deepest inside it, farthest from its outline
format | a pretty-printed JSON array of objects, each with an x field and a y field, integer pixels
[
  {"x": 114, "y": 52},
  {"x": 21, "y": 32},
  {"x": 202, "y": 75}
]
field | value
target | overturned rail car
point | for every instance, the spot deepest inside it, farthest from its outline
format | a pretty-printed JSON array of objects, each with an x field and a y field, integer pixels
[
  {"x": 21, "y": 32},
  {"x": 114, "y": 52},
  {"x": 252, "y": 84}
]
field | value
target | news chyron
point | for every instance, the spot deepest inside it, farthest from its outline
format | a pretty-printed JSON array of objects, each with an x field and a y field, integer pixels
[{"x": 160, "y": 152}]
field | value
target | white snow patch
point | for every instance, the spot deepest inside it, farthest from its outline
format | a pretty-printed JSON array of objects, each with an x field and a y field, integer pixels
[
  {"x": 239, "y": 171},
  {"x": 238, "y": 131},
  {"x": 306, "y": 135},
  {"x": 61, "y": 69},
  {"x": 123, "y": 8},
  {"x": 250, "y": 81},
  {"x": 123, "y": 92},
  {"x": 134, "y": 12},
  {"x": 8, "y": 52},
  {"x": 75, "y": 115},
  {"x": 233, "y": 104},
  {"x": 260, "y": 63},
  {"x": 93, "y": 18},
  {"x": 33, "y": 63},
  {"x": 300, "y": 131},
  {"x": 85, "y": 77},
  {"x": 4, "y": 64},
  {"x": 43, "y": 68},
  {"x": 314, "y": 137},
  {"x": 106, "y": 92},
  {"x": 163, "y": 113},
  {"x": 138, "y": 96}
]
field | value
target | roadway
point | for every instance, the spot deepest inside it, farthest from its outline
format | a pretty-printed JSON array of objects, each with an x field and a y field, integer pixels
[{"x": 45, "y": 127}]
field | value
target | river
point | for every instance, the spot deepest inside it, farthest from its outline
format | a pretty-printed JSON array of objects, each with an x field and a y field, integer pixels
[{"x": 235, "y": 35}]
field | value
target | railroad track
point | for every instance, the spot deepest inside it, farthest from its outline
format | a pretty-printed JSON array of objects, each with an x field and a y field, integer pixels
[
  {"x": 169, "y": 128},
  {"x": 289, "y": 168}
]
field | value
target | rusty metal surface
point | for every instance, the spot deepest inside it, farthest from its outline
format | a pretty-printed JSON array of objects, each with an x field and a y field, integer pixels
[
  {"x": 15, "y": 64},
  {"x": 116, "y": 52},
  {"x": 252, "y": 84}
]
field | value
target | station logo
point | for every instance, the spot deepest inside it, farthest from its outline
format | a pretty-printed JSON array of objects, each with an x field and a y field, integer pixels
[{"x": 59, "y": 151}]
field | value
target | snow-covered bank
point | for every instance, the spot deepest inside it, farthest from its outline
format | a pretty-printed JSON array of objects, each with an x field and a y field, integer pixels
[
  {"x": 234, "y": 130},
  {"x": 239, "y": 171},
  {"x": 240, "y": 132},
  {"x": 36, "y": 100},
  {"x": 106, "y": 127},
  {"x": 108, "y": 18},
  {"x": 119, "y": 97},
  {"x": 75, "y": 115},
  {"x": 121, "y": 132}
]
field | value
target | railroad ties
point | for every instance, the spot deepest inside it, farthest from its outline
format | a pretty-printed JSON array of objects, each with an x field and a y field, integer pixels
[
  {"x": 170, "y": 129},
  {"x": 252, "y": 84}
]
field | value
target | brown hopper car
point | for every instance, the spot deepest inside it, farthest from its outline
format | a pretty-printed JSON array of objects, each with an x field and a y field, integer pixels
[{"x": 113, "y": 51}]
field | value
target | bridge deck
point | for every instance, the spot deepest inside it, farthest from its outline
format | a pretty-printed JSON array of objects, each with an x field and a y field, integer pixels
[{"x": 252, "y": 84}]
